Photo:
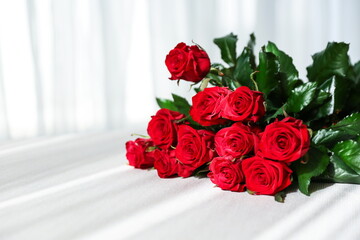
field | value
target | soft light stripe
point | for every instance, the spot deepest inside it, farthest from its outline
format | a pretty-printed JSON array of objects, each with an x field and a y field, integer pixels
[
  {"x": 147, "y": 218},
  {"x": 61, "y": 187},
  {"x": 293, "y": 221}
]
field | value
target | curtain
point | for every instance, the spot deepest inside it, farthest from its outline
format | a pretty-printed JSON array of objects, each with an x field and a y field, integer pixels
[{"x": 70, "y": 66}]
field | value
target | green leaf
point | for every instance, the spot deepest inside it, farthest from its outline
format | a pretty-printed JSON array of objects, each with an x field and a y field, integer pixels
[
  {"x": 197, "y": 89},
  {"x": 356, "y": 70},
  {"x": 229, "y": 82},
  {"x": 350, "y": 124},
  {"x": 280, "y": 197},
  {"x": 349, "y": 152},
  {"x": 316, "y": 165},
  {"x": 301, "y": 97},
  {"x": 348, "y": 128},
  {"x": 278, "y": 112},
  {"x": 286, "y": 66},
  {"x": 320, "y": 98},
  {"x": 250, "y": 46},
  {"x": 286, "y": 62},
  {"x": 338, "y": 88},
  {"x": 338, "y": 171},
  {"x": 243, "y": 68},
  {"x": 353, "y": 103},
  {"x": 252, "y": 41},
  {"x": 214, "y": 77},
  {"x": 333, "y": 93},
  {"x": 268, "y": 68},
  {"x": 217, "y": 65},
  {"x": 334, "y": 60},
  {"x": 181, "y": 104},
  {"x": 227, "y": 47},
  {"x": 329, "y": 136},
  {"x": 166, "y": 103},
  {"x": 202, "y": 171}
]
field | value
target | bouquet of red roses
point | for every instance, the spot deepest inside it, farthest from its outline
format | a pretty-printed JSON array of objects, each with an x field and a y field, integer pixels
[{"x": 257, "y": 127}]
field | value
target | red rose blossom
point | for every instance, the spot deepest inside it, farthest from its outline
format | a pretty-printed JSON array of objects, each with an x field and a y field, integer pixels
[
  {"x": 207, "y": 106},
  {"x": 244, "y": 105},
  {"x": 227, "y": 174},
  {"x": 194, "y": 149},
  {"x": 286, "y": 140},
  {"x": 165, "y": 163},
  {"x": 235, "y": 141},
  {"x": 138, "y": 154},
  {"x": 162, "y": 128},
  {"x": 187, "y": 62},
  {"x": 265, "y": 177}
]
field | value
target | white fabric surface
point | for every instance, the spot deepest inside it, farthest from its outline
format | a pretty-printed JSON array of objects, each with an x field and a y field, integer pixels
[{"x": 80, "y": 187}]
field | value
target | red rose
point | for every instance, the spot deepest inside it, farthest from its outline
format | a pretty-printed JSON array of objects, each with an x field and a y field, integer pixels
[
  {"x": 165, "y": 163},
  {"x": 235, "y": 141},
  {"x": 227, "y": 174},
  {"x": 194, "y": 149},
  {"x": 286, "y": 140},
  {"x": 207, "y": 106},
  {"x": 265, "y": 177},
  {"x": 187, "y": 62},
  {"x": 162, "y": 128},
  {"x": 138, "y": 153},
  {"x": 244, "y": 105}
]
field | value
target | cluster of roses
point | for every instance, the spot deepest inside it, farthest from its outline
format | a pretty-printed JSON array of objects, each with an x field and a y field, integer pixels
[{"x": 240, "y": 156}]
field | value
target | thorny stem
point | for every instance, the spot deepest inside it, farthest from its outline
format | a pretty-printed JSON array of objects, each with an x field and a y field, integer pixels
[
  {"x": 139, "y": 135},
  {"x": 284, "y": 112},
  {"x": 204, "y": 83},
  {"x": 220, "y": 73},
  {"x": 252, "y": 79}
]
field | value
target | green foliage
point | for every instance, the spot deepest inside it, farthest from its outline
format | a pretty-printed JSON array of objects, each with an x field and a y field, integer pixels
[
  {"x": 350, "y": 124},
  {"x": 338, "y": 170},
  {"x": 301, "y": 97},
  {"x": 289, "y": 78},
  {"x": 277, "y": 79},
  {"x": 250, "y": 46},
  {"x": 278, "y": 112},
  {"x": 178, "y": 104},
  {"x": 349, "y": 152},
  {"x": 280, "y": 197},
  {"x": 333, "y": 61},
  {"x": 348, "y": 128},
  {"x": 356, "y": 73},
  {"x": 181, "y": 104},
  {"x": 268, "y": 68},
  {"x": 315, "y": 165},
  {"x": 227, "y": 47},
  {"x": 243, "y": 68},
  {"x": 166, "y": 103},
  {"x": 338, "y": 90}
]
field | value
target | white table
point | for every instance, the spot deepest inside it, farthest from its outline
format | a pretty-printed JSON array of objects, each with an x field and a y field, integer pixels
[{"x": 80, "y": 187}]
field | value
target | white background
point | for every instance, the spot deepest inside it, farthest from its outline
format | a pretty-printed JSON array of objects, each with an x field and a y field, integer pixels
[{"x": 86, "y": 65}]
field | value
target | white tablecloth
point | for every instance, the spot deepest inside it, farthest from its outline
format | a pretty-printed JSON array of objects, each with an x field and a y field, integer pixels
[{"x": 80, "y": 187}]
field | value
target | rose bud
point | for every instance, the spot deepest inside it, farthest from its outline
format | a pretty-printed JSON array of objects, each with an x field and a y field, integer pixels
[
  {"x": 165, "y": 162},
  {"x": 286, "y": 140},
  {"x": 265, "y": 177},
  {"x": 162, "y": 128},
  {"x": 235, "y": 141},
  {"x": 244, "y": 105},
  {"x": 227, "y": 174},
  {"x": 187, "y": 62},
  {"x": 194, "y": 149},
  {"x": 138, "y": 153},
  {"x": 207, "y": 106}
]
